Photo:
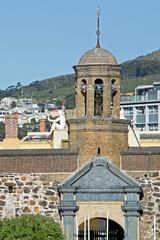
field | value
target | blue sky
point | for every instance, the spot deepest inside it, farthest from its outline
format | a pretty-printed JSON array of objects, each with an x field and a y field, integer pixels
[{"x": 44, "y": 38}]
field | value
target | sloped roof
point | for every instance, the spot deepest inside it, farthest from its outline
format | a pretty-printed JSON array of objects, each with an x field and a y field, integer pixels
[{"x": 99, "y": 173}]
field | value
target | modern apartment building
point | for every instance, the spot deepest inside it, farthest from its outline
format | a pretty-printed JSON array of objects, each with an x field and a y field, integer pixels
[{"x": 144, "y": 107}]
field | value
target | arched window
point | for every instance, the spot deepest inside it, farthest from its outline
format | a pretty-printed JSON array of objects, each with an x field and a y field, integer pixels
[
  {"x": 83, "y": 87},
  {"x": 98, "y": 97},
  {"x": 84, "y": 93},
  {"x": 114, "y": 89}
]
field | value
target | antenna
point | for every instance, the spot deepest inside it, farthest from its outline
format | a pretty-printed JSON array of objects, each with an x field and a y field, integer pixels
[{"x": 98, "y": 31}]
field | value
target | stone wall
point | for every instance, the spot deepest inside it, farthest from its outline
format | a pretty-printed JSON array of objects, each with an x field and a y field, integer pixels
[
  {"x": 150, "y": 203},
  {"x": 37, "y": 193},
  {"x": 29, "y": 194}
]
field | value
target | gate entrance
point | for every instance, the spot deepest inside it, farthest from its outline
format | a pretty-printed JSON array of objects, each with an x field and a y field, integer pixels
[
  {"x": 97, "y": 182},
  {"x": 96, "y": 229}
]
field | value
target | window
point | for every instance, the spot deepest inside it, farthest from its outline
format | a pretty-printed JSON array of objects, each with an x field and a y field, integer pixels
[
  {"x": 114, "y": 90},
  {"x": 141, "y": 127},
  {"x": 140, "y": 110},
  {"x": 128, "y": 111},
  {"x": 84, "y": 93},
  {"x": 153, "y": 127},
  {"x": 83, "y": 87},
  {"x": 153, "y": 109}
]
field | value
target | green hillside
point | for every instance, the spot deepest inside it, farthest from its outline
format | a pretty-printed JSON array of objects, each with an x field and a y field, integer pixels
[
  {"x": 151, "y": 56},
  {"x": 141, "y": 70}
]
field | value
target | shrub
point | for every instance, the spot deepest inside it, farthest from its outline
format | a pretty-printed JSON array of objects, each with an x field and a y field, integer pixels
[{"x": 30, "y": 227}]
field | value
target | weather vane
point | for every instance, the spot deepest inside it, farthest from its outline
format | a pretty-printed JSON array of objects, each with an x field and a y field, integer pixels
[{"x": 98, "y": 31}]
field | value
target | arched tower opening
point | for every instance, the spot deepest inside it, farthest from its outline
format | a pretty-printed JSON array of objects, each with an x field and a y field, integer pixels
[
  {"x": 98, "y": 97},
  {"x": 114, "y": 90},
  {"x": 84, "y": 93}
]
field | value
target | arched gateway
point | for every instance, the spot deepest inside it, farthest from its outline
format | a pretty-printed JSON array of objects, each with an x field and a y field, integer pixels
[
  {"x": 99, "y": 201},
  {"x": 100, "y": 228}
]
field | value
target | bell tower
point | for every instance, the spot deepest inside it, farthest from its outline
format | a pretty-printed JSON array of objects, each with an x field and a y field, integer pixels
[{"x": 97, "y": 127}]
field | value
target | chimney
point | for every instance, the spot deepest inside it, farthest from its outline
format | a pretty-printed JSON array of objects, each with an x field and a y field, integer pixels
[
  {"x": 11, "y": 126},
  {"x": 42, "y": 125}
]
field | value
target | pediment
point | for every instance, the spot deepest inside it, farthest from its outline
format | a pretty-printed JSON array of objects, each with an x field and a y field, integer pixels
[{"x": 99, "y": 173}]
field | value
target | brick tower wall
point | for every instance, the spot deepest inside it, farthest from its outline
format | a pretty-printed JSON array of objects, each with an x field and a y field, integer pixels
[
  {"x": 42, "y": 125},
  {"x": 110, "y": 136},
  {"x": 11, "y": 126}
]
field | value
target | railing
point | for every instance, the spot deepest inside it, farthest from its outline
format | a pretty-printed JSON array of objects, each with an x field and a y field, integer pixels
[{"x": 139, "y": 98}]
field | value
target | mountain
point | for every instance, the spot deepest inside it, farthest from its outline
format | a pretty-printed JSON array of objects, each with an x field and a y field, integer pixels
[
  {"x": 139, "y": 71},
  {"x": 140, "y": 68},
  {"x": 60, "y": 88},
  {"x": 155, "y": 56}
]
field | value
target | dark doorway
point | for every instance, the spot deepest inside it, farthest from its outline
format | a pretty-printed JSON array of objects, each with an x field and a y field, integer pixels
[{"x": 98, "y": 230}]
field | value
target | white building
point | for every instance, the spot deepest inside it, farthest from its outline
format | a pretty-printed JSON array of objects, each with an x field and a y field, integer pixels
[
  {"x": 144, "y": 107},
  {"x": 7, "y": 101}
]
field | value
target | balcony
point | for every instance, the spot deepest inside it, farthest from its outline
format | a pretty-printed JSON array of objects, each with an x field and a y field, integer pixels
[{"x": 139, "y": 98}]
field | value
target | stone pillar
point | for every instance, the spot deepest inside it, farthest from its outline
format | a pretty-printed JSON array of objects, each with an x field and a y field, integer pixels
[
  {"x": 80, "y": 101},
  {"x": 67, "y": 210},
  {"x": 131, "y": 210},
  {"x": 90, "y": 101},
  {"x": 106, "y": 100}
]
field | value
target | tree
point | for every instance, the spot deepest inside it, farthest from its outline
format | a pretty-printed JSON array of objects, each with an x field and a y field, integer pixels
[
  {"x": 30, "y": 227},
  {"x": 13, "y": 104},
  {"x": 2, "y": 131}
]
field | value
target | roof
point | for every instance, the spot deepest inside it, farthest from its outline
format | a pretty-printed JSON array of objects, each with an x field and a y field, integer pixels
[
  {"x": 99, "y": 173},
  {"x": 144, "y": 86},
  {"x": 97, "y": 56}
]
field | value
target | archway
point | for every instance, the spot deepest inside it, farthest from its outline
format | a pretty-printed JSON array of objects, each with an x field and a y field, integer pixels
[
  {"x": 109, "y": 185},
  {"x": 100, "y": 229}
]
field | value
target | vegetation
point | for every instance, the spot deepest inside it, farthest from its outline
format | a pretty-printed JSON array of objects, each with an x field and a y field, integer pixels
[
  {"x": 30, "y": 227},
  {"x": 2, "y": 131},
  {"x": 129, "y": 84},
  {"x": 33, "y": 126},
  {"x": 142, "y": 70}
]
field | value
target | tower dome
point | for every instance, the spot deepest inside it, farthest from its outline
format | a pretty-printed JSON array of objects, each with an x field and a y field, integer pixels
[{"x": 97, "y": 55}]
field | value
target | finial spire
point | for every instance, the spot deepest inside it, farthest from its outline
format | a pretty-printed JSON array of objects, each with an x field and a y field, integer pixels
[{"x": 98, "y": 31}]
